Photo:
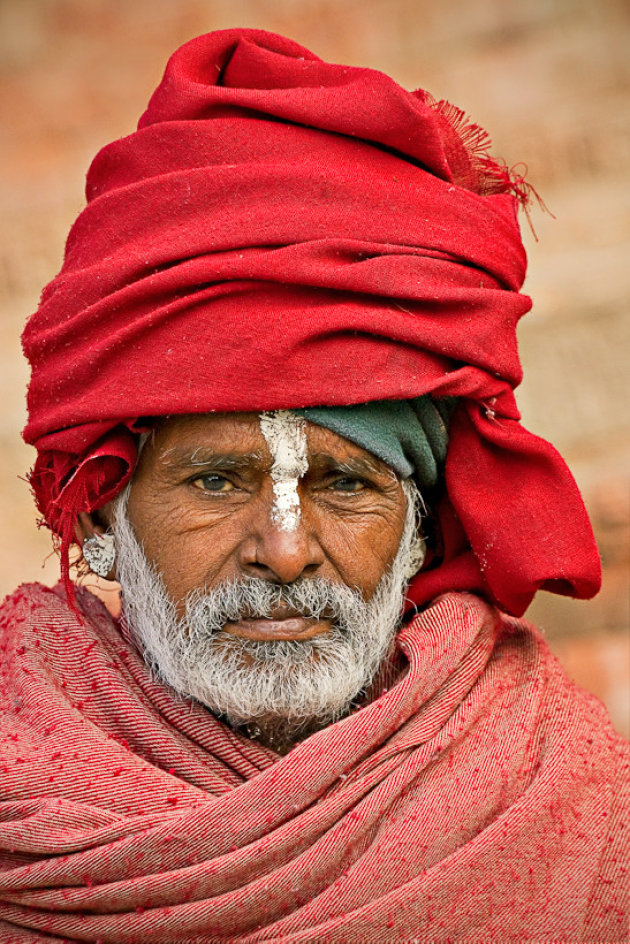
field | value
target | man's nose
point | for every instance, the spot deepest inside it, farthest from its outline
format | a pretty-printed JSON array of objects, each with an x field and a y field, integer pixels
[{"x": 281, "y": 554}]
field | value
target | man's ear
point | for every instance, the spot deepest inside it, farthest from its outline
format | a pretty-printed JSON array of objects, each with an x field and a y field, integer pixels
[{"x": 88, "y": 523}]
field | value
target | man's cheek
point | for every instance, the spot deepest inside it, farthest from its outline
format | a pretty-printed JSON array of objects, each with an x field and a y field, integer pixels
[
  {"x": 190, "y": 562},
  {"x": 362, "y": 548}
]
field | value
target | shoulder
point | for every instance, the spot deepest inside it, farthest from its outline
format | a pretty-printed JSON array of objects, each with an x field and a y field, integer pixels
[
  {"x": 28, "y": 599},
  {"x": 537, "y": 678},
  {"x": 36, "y": 607},
  {"x": 574, "y": 726}
]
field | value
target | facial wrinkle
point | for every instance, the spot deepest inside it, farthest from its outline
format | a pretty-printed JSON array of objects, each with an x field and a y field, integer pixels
[{"x": 285, "y": 435}]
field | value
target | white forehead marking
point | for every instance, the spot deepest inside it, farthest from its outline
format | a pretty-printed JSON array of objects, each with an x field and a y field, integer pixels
[{"x": 285, "y": 435}]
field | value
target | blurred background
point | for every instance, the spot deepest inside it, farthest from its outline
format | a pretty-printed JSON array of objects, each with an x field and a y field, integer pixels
[{"x": 549, "y": 79}]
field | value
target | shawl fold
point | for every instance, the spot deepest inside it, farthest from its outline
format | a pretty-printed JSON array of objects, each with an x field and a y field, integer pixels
[
  {"x": 479, "y": 798},
  {"x": 282, "y": 232}
]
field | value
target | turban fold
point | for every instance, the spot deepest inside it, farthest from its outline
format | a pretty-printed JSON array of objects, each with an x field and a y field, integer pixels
[
  {"x": 285, "y": 233},
  {"x": 409, "y": 435}
]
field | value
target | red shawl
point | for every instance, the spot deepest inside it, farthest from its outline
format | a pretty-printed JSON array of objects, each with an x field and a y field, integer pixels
[
  {"x": 285, "y": 232},
  {"x": 479, "y": 799}
]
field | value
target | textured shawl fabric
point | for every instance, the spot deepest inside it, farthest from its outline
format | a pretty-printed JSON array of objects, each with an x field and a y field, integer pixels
[
  {"x": 282, "y": 232},
  {"x": 478, "y": 799}
]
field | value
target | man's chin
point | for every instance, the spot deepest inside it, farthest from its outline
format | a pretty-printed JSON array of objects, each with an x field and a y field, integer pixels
[{"x": 248, "y": 683}]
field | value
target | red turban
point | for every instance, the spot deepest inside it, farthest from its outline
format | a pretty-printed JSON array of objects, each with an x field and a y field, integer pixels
[{"x": 283, "y": 232}]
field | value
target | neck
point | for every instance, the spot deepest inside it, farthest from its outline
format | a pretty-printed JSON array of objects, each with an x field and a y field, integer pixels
[{"x": 281, "y": 735}]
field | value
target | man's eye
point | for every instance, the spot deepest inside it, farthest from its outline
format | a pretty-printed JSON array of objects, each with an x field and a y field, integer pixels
[
  {"x": 213, "y": 483},
  {"x": 347, "y": 484}
]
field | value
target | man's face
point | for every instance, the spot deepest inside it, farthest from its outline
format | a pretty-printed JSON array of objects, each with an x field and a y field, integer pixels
[
  {"x": 263, "y": 562},
  {"x": 205, "y": 505}
]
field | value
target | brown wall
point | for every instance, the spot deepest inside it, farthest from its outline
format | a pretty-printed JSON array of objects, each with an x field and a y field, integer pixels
[{"x": 548, "y": 78}]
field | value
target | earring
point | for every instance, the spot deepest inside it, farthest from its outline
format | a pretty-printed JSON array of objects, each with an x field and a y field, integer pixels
[{"x": 99, "y": 553}]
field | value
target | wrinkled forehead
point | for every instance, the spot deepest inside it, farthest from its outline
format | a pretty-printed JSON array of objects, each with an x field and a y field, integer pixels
[{"x": 258, "y": 438}]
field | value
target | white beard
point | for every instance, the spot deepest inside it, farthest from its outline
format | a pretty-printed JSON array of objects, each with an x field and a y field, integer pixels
[{"x": 286, "y": 687}]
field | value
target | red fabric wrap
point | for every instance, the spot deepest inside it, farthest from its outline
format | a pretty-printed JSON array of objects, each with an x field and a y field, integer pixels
[
  {"x": 480, "y": 798},
  {"x": 283, "y": 232}
]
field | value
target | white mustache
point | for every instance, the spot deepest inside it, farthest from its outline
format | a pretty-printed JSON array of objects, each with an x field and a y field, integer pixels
[{"x": 254, "y": 598}]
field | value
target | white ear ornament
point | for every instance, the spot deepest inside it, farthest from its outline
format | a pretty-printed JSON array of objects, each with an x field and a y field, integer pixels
[{"x": 99, "y": 553}]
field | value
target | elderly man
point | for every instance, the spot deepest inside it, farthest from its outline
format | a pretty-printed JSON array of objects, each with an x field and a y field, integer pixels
[{"x": 272, "y": 396}]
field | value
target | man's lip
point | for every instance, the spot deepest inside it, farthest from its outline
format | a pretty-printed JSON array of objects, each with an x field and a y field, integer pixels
[{"x": 276, "y": 628}]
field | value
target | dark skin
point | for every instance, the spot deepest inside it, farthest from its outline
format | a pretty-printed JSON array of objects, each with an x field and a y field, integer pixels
[{"x": 201, "y": 505}]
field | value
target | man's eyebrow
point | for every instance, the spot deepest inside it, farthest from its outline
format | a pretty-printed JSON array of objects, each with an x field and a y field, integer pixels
[
  {"x": 354, "y": 465},
  {"x": 180, "y": 459}
]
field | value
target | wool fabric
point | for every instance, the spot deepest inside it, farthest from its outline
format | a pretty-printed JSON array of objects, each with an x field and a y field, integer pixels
[
  {"x": 411, "y": 436},
  {"x": 281, "y": 233},
  {"x": 479, "y": 798}
]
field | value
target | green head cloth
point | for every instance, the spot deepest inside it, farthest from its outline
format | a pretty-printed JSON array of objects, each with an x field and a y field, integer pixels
[{"x": 409, "y": 435}]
